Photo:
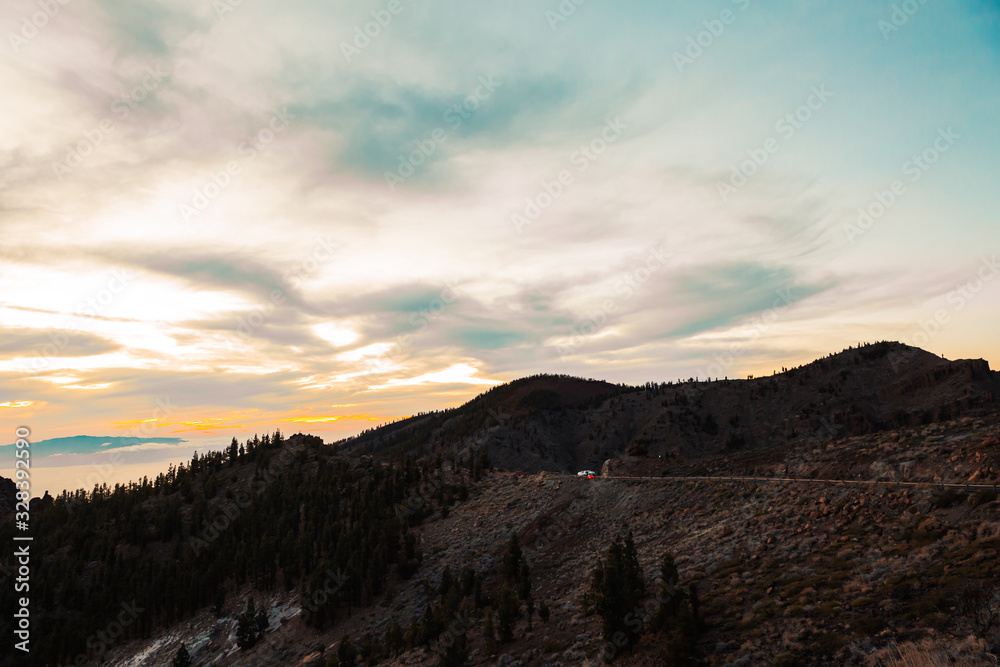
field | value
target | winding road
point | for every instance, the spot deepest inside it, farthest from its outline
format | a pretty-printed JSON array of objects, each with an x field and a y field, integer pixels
[{"x": 800, "y": 480}]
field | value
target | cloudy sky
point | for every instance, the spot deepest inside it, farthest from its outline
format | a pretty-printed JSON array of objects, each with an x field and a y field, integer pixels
[{"x": 221, "y": 217}]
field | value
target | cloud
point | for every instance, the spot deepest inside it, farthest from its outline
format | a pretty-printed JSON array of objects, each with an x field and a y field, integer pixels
[
  {"x": 719, "y": 295},
  {"x": 226, "y": 272},
  {"x": 423, "y": 293},
  {"x": 150, "y": 28},
  {"x": 462, "y": 373},
  {"x": 484, "y": 338},
  {"x": 370, "y": 124},
  {"x": 25, "y": 342}
]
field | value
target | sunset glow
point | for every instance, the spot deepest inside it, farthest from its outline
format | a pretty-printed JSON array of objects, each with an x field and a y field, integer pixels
[{"x": 209, "y": 234}]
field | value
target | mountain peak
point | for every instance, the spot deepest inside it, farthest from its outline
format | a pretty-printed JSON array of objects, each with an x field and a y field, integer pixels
[{"x": 563, "y": 423}]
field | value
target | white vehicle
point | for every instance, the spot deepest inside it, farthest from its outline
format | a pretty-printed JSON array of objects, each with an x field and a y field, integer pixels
[{"x": 589, "y": 474}]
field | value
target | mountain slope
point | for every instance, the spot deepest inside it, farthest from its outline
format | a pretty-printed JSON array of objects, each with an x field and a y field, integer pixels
[
  {"x": 330, "y": 540},
  {"x": 557, "y": 423},
  {"x": 786, "y": 574}
]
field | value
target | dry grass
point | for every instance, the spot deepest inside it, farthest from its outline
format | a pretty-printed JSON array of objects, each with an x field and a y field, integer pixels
[{"x": 932, "y": 654}]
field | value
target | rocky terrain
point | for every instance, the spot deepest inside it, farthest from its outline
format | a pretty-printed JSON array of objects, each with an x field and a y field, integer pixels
[
  {"x": 563, "y": 424},
  {"x": 787, "y": 573}
]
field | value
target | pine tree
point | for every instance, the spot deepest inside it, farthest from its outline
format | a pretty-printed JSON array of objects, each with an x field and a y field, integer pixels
[
  {"x": 251, "y": 626},
  {"x": 394, "y": 639},
  {"x": 543, "y": 612},
  {"x": 181, "y": 658},
  {"x": 489, "y": 635},
  {"x": 669, "y": 594},
  {"x": 262, "y": 622},
  {"x": 446, "y": 581},
  {"x": 677, "y": 616},
  {"x": 511, "y": 561},
  {"x": 297, "y": 530},
  {"x": 524, "y": 581},
  {"x": 347, "y": 653},
  {"x": 616, "y": 589},
  {"x": 484, "y": 461},
  {"x": 430, "y": 625},
  {"x": 456, "y": 652},
  {"x": 508, "y": 609},
  {"x": 478, "y": 596}
]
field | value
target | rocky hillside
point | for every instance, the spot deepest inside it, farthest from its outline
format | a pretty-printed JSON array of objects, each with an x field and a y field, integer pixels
[
  {"x": 565, "y": 424},
  {"x": 396, "y": 546},
  {"x": 787, "y": 574}
]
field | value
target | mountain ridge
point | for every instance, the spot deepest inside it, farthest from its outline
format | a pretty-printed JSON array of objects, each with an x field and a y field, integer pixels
[
  {"x": 402, "y": 550},
  {"x": 561, "y": 423}
]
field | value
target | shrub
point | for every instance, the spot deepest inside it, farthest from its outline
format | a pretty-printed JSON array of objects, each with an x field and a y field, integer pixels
[
  {"x": 828, "y": 643},
  {"x": 554, "y": 646},
  {"x": 867, "y": 626},
  {"x": 982, "y": 496},
  {"x": 948, "y": 498}
]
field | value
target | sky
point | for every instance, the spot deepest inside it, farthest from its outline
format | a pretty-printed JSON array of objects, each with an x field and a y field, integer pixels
[{"x": 229, "y": 216}]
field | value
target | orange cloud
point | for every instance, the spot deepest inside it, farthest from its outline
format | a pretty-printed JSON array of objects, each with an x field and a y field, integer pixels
[
  {"x": 18, "y": 404},
  {"x": 124, "y": 424},
  {"x": 314, "y": 420}
]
